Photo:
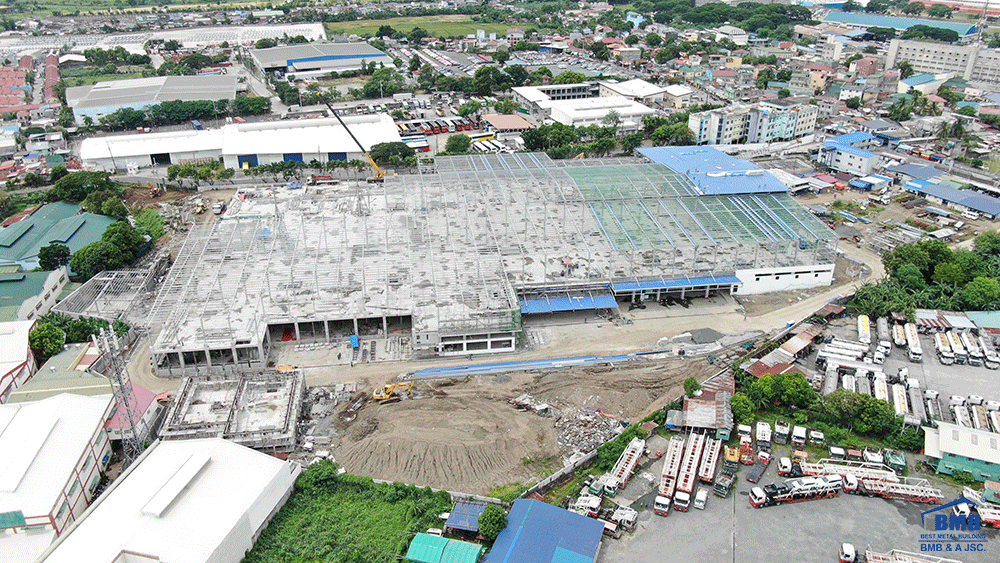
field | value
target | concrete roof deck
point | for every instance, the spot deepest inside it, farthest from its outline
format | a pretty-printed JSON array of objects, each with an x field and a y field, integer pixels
[{"x": 152, "y": 90}]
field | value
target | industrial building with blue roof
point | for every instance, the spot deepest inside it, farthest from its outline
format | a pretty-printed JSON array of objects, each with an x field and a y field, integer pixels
[
  {"x": 537, "y": 532},
  {"x": 860, "y": 19},
  {"x": 962, "y": 200}
]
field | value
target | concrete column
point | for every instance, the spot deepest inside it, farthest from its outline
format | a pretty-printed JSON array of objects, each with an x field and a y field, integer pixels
[
  {"x": 385, "y": 326},
  {"x": 326, "y": 330},
  {"x": 208, "y": 358},
  {"x": 181, "y": 356},
  {"x": 356, "y": 326},
  {"x": 298, "y": 337},
  {"x": 707, "y": 290}
]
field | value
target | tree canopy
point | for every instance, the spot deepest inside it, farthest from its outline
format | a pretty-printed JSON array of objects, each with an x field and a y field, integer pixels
[
  {"x": 78, "y": 185},
  {"x": 46, "y": 340},
  {"x": 53, "y": 256},
  {"x": 492, "y": 521}
]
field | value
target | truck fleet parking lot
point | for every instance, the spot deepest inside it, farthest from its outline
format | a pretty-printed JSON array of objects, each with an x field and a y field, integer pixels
[{"x": 731, "y": 529}]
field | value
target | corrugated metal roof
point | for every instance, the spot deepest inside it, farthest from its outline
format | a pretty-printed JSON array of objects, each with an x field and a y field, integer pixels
[
  {"x": 465, "y": 515},
  {"x": 426, "y": 548},
  {"x": 537, "y": 532}
]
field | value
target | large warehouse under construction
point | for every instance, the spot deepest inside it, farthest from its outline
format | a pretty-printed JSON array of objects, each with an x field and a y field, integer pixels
[{"x": 456, "y": 253}]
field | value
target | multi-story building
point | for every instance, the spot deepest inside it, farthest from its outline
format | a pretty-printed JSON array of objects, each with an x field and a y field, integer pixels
[
  {"x": 865, "y": 66},
  {"x": 972, "y": 62},
  {"x": 774, "y": 120},
  {"x": 55, "y": 451},
  {"x": 18, "y": 362},
  {"x": 950, "y": 448},
  {"x": 849, "y": 153},
  {"x": 533, "y": 98}
]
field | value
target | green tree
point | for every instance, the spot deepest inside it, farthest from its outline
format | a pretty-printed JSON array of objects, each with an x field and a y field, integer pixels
[
  {"x": 569, "y": 77},
  {"x": 913, "y": 8},
  {"x": 600, "y": 51},
  {"x": 653, "y": 39},
  {"x": 906, "y": 254},
  {"x": 458, "y": 144},
  {"x": 46, "y": 340},
  {"x": 631, "y": 142},
  {"x": 150, "y": 223},
  {"x": 851, "y": 6},
  {"x": 784, "y": 93},
  {"x": 469, "y": 108},
  {"x": 939, "y": 11},
  {"x": 910, "y": 277},
  {"x": 506, "y": 107},
  {"x": 383, "y": 82},
  {"x": 853, "y": 103},
  {"x": 391, "y": 153},
  {"x": 76, "y": 186},
  {"x": 743, "y": 408},
  {"x": 764, "y": 76},
  {"x": 691, "y": 386},
  {"x": 57, "y": 172},
  {"x": 125, "y": 238},
  {"x": 967, "y": 110},
  {"x": 517, "y": 73},
  {"x": 53, "y": 256},
  {"x": 492, "y": 521},
  {"x": 115, "y": 207},
  {"x": 172, "y": 45},
  {"x": 948, "y": 273},
  {"x": 95, "y": 257},
  {"x": 673, "y": 135},
  {"x": 501, "y": 56},
  {"x": 981, "y": 294},
  {"x": 987, "y": 244},
  {"x": 905, "y": 69}
]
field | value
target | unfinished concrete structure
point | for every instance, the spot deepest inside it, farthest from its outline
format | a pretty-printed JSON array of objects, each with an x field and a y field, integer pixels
[
  {"x": 456, "y": 253},
  {"x": 256, "y": 410},
  {"x": 113, "y": 295}
]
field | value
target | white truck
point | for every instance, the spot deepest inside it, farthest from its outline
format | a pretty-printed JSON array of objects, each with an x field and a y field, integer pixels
[
  {"x": 944, "y": 353},
  {"x": 957, "y": 348},
  {"x": 990, "y": 357},
  {"x": 915, "y": 352},
  {"x": 763, "y": 436},
  {"x": 864, "y": 330},
  {"x": 799, "y": 436},
  {"x": 898, "y": 336},
  {"x": 972, "y": 349}
]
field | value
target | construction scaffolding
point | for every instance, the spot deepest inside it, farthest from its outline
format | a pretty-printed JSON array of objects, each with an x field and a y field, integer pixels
[
  {"x": 113, "y": 295},
  {"x": 445, "y": 252}
]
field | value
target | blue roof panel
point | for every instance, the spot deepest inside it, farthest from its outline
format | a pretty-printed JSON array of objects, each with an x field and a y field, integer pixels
[
  {"x": 851, "y": 138},
  {"x": 895, "y": 22},
  {"x": 849, "y": 149},
  {"x": 545, "y": 304},
  {"x": 968, "y": 198},
  {"x": 465, "y": 515},
  {"x": 674, "y": 283},
  {"x": 714, "y": 172},
  {"x": 912, "y": 170},
  {"x": 537, "y": 532}
]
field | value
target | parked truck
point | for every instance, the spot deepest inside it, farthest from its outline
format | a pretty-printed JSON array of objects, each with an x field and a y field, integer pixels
[
  {"x": 724, "y": 484},
  {"x": 763, "y": 436},
  {"x": 914, "y": 350},
  {"x": 781, "y": 431},
  {"x": 900, "y": 402},
  {"x": 956, "y": 347},
  {"x": 793, "y": 490},
  {"x": 709, "y": 461},
  {"x": 732, "y": 460},
  {"x": 799, "y": 435},
  {"x": 944, "y": 353},
  {"x": 758, "y": 469},
  {"x": 989, "y": 513},
  {"x": 864, "y": 330},
  {"x": 972, "y": 349},
  {"x": 884, "y": 334},
  {"x": 990, "y": 357},
  {"x": 914, "y": 490},
  {"x": 746, "y": 450},
  {"x": 622, "y": 471},
  {"x": 668, "y": 476},
  {"x": 898, "y": 336},
  {"x": 844, "y": 468},
  {"x": 688, "y": 474}
]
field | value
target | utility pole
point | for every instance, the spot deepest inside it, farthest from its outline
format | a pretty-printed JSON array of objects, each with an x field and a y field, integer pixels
[{"x": 134, "y": 429}]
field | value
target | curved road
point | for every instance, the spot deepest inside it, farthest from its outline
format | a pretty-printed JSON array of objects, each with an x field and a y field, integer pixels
[{"x": 571, "y": 340}]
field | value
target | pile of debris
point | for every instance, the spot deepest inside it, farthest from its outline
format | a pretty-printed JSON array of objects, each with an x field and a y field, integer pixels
[
  {"x": 528, "y": 403},
  {"x": 583, "y": 429},
  {"x": 320, "y": 404}
]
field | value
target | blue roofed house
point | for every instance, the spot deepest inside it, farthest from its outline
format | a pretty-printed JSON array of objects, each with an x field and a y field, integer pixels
[
  {"x": 58, "y": 222},
  {"x": 849, "y": 153},
  {"x": 925, "y": 83},
  {"x": 960, "y": 200},
  {"x": 537, "y": 532}
]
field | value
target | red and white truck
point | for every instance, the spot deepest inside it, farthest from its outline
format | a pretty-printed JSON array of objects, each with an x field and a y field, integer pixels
[
  {"x": 688, "y": 474},
  {"x": 668, "y": 477},
  {"x": 622, "y": 471},
  {"x": 989, "y": 513},
  {"x": 746, "y": 450},
  {"x": 914, "y": 490},
  {"x": 709, "y": 461},
  {"x": 844, "y": 468}
]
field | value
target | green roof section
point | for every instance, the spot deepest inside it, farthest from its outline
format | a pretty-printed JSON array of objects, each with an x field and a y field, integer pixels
[
  {"x": 12, "y": 519},
  {"x": 62, "y": 373},
  {"x": 426, "y": 548},
  {"x": 56, "y": 222},
  {"x": 16, "y": 288}
]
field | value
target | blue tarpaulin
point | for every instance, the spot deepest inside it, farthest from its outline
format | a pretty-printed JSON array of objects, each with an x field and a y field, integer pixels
[{"x": 355, "y": 342}]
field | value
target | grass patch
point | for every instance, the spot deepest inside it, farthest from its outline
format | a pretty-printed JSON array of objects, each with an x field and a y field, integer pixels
[
  {"x": 346, "y": 518},
  {"x": 88, "y": 80},
  {"x": 454, "y": 25},
  {"x": 508, "y": 492},
  {"x": 568, "y": 488}
]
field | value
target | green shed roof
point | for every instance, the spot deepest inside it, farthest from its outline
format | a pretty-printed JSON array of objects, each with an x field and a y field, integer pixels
[
  {"x": 426, "y": 548},
  {"x": 56, "y": 222},
  {"x": 16, "y": 288}
]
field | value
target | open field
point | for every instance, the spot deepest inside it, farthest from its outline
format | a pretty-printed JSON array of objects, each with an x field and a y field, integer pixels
[
  {"x": 381, "y": 519},
  {"x": 456, "y": 25},
  {"x": 87, "y": 80}
]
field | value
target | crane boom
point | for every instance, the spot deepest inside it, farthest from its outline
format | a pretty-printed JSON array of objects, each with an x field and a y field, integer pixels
[{"x": 379, "y": 173}]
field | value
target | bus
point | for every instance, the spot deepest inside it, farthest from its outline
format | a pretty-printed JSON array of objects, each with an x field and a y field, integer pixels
[
  {"x": 487, "y": 136},
  {"x": 419, "y": 144}
]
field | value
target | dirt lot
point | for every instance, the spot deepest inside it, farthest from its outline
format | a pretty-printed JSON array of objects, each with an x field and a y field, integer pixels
[{"x": 465, "y": 436}]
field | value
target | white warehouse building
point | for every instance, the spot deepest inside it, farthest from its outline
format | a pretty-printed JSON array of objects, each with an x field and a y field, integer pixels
[
  {"x": 593, "y": 111},
  {"x": 242, "y": 145}
]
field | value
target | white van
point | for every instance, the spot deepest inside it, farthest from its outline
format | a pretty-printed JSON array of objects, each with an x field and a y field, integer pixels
[{"x": 700, "y": 499}]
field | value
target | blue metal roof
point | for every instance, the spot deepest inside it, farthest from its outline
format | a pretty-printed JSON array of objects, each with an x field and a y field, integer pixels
[
  {"x": 849, "y": 149},
  {"x": 851, "y": 138},
  {"x": 918, "y": 79},
  {"x": 715, "y": 172},
  {"x": 465, "y": 515},
  {"x": 549, "y": 303},
  {"x": 895, "y": 22},
  {"x": 968, "y": 198},
  {"x": 912, "y": 170},
  {"x": 537, "y": 532},
  {"x": 674, "y": 283},
  {"x": 984, "y": 319}
]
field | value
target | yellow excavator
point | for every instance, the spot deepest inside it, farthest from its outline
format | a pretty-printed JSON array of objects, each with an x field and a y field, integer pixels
[
  {"x": 379, "y": 173},
  {"x": 392, "y": 391}
]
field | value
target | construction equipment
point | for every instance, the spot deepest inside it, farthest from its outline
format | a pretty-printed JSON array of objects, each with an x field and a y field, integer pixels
[
  {"x": 154, "y": 190},
  {"x": 668, "y": 478},
  {"x": 989, "y": 513},
  {"x": 379, "y": 173},
  {"x": 392, "y": 391}
]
